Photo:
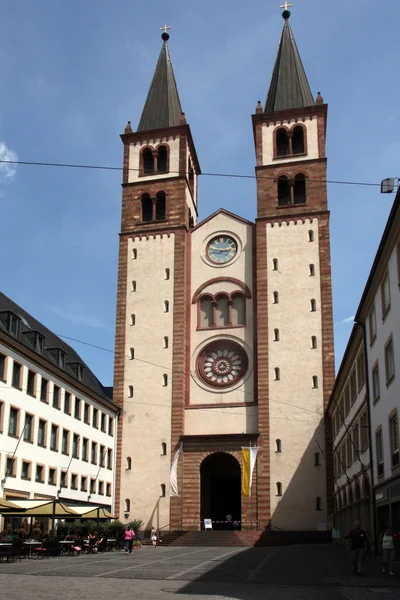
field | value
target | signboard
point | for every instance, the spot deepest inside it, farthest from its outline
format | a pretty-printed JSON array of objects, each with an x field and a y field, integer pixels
[
  {"x": 379, "y": 496},
  {"x": 207, "y": 524}
]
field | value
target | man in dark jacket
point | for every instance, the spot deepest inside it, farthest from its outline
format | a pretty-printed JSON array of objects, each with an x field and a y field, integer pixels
[{"x": 357, "y": 543}]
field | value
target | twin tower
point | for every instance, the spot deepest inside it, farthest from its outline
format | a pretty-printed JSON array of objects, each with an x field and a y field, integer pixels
[{"x": 224, "y": 335}]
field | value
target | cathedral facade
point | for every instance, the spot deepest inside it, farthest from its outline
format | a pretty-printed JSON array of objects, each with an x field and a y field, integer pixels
[{"x": 224, "y": 334}]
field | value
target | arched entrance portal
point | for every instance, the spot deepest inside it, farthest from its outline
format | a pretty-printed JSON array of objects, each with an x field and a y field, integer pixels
[{"x": 220, "y": 477}]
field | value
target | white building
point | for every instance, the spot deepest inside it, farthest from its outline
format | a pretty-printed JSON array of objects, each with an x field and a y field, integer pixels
[
  {"x": 57, "y": 422},
  {"x": 379, "y": 312}
]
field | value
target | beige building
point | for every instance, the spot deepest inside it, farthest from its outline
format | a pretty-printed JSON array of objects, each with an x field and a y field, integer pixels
[{"x": 224, "y": 327}]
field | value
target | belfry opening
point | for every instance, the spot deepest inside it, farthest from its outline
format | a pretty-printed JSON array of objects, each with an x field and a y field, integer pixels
[{"x": 220, "y": 476}]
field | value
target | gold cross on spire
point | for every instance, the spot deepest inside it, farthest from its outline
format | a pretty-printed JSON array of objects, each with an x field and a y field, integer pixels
[
  {"x": 165, "y": 28},
  {"x": 286, "y": 6}
]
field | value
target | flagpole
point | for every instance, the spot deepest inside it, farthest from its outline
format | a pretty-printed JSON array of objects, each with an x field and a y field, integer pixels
[{"x": 182, "y": 486}]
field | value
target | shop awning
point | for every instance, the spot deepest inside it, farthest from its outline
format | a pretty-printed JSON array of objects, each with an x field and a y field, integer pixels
[
  {"x": 7, "y": 506},
  {"x": 92, "y": 512},
  {"x": 42, "y": 508}
]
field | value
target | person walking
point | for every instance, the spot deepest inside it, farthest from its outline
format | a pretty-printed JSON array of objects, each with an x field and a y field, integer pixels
[
  {"x": 357, "y": 543},
  {"x": 153, "y": 537},
  {"x": 386, "y": 544},
  {"x": 129, "y": 536}
]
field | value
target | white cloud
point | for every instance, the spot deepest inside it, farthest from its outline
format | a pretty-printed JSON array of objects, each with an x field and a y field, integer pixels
[
  {"x": 7, "y": 171},
  {"x": 346, "y": 320},
  {"x": 76, "y": 315}
]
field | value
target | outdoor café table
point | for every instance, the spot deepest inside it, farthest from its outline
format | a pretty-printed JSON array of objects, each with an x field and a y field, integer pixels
[
  {"x": 31, "y": 543},
  {"x": 66, "y": 543}
]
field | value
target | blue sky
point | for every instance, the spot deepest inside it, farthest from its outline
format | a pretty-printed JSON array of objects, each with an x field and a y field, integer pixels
[{"x": 73, "y": 73}]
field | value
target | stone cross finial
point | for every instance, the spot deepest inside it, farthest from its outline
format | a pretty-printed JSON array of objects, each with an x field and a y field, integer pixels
[{"x": 286, "y": 6}]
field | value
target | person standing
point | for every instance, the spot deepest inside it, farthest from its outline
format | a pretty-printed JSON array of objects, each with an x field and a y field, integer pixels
[
  {"x": 153, "y": 537},
  {"x": 386, "y": 544},
  {"x": 129, "y": 536},
  {"x": 357, "y": 543}
]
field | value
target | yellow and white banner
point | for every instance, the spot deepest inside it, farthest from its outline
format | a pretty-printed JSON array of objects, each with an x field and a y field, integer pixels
[{"x": 249, "y": 457}]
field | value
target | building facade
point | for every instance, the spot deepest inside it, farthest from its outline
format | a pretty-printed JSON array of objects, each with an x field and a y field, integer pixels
[
  {"x": 379, "y": 312},
  {"x": 57, "y": 422},
  {"x": 224, "y": 332},
  {"x": 348, "y": 410}
]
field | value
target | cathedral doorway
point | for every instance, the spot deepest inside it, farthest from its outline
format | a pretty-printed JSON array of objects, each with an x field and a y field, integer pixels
[{"x": 220, "y": 477}]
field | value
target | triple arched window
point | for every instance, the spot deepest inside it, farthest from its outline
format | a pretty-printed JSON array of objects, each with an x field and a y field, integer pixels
[
  {"x": 222, "y": 310},
  {"x": 153, "y": 209},
  {"x": 289, "y": 142},
  {"x": 292, "y": 191},
  {"x": 154, "y": 160}
]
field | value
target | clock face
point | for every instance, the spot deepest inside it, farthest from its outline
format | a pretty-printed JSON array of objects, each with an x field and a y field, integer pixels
[{"x": 221, "y": 249}]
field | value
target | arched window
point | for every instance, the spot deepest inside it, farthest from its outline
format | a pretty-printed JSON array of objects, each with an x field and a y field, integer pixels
[
  {"x": 315, "y": 382},
  {"x": 277, "y": 374},
  {"x": 313, "y": 305},
  {"x": 278, "y": 446},
  {"x": 132, "y": 353},
  {"x": 134, "y": 254},
  {"x": 165, "y": 380},
  {"x": 164, "y": 449},
  {"x": 160, "y": 206},
  {"x": 166, "y": 306},
  {"x": 165, "y": 343},
  {"x": 148, "y": 161},
  {"x": 206, "y": 313},
  {"x": 162, "y": 490},
  {"x": 238, "y": 310},
  {"x": 276, "y": 297},
  {"x": 147, "y": 208},
  {"x": 311, "y": 236},
  {"x": 166, "y": 274},
  {"x": 127, "y": 505},
  {"x": 316, "y": 459},
  {"x": 312, "y": 270},
  {"x": 276, "y": 335},
  {"x": 221, "y": 317},
  {"x": 283, "y": 191},
  {"x": 274, "y": 264},
  {"x": 299, "y": 190},
  {"x": 318, "y": 503},
  {"x": 298, "y": 146},
  {"x": 128, "y": 463},
  {"x": 279, "y": 489},
  {"x": 162, "y": 159},
  {"x": 282, "y": 142},
  {"x": 130, "y": 389},
  {"x": 313, "y": 342},
  {"x": 133, "y": 319}
]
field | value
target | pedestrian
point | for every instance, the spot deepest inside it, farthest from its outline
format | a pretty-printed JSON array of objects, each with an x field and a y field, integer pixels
[
  {"x": 129, "y": 536},
  {"x": 228, "y": 519},
  {"x": 386, "y": 544},
  {"x": 153, "y": 537},
  {"x": 357, "y": 543}
]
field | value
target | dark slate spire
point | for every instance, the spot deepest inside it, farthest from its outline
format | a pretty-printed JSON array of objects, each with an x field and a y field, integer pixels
[
  {"x": 163, "y": 107},
  {"x": 289, "y": 86}
]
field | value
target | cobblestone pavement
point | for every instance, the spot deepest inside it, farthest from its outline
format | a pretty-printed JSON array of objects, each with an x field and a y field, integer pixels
[{"x": 294, "y": 572}]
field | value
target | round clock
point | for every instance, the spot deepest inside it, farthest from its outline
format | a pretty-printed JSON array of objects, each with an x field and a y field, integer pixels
[
  {"x": 221, "y": 249},
  {"x": 222, "y": 363}
]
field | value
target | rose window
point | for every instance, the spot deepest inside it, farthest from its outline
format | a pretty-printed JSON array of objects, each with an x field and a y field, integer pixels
[{"x": 222, "y": 363}]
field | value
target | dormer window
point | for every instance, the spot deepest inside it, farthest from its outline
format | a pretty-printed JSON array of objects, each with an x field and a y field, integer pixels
[
  {"x": 78, "y": 369},
  {"x": 58, "y": 355},
  {"x": 36, "y": 340},
  {"x": 10, "y": 322}
]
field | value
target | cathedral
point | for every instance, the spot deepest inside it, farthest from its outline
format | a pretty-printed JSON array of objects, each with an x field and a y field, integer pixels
[{"x": 224, "y": 335}]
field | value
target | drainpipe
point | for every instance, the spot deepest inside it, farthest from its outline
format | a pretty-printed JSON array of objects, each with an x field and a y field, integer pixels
[{"x": 371, "y": 457}]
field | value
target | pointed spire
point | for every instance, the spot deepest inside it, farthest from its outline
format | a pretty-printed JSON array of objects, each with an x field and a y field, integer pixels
[
  {"x": 289, "y": 86},
  {"x": 162, "y": 107}
]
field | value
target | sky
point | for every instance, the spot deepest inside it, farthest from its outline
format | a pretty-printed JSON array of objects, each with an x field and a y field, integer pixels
[{"x": 73, "y": 73}]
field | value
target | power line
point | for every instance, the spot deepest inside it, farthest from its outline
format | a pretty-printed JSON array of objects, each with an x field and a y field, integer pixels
[{"x": 227, "y": 175}]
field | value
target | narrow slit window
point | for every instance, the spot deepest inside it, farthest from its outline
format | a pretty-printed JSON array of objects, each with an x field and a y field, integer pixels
[
  {"x": 133, "y": 319},
  {"x": 312, "y": 270},
  {"x": 167, "y": 274},
  {"x": 278, "y": 446},
  {"x": 311, "y": 236},
  {"x": 130, "y": 389},
  {"x": 274, "y": 264},
  {"x": 132, "y": 353},
  {"x": 162, "y": 490},
  {"x": 317, "y": 462},
  {"x": 166, "y": 306},
  {"x": 313, "y": 305},
  {"x": 279, "y": 489},
  {"x": 134, "y": 254},
  {"x": 277, "y": 374},
  {"x": 318, "y": 504},
  {"x": 313, "y": 342},
  {"x": 276, "y": 297},
  {"x": 164, "y": 449},
  {"x": 133, "y": 286},
  {"x": 128, "y": 463},
  {"x": 165, "y": 342},
  {"x": 315, "y": 382},
  {"x": 165, "y": 380},
  {"x": 276, "y": 335},
  {"x": 127, "y": 505}
]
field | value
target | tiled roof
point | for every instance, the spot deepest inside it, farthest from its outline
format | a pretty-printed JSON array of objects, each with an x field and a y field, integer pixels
[{"x": 28, "y": 323}]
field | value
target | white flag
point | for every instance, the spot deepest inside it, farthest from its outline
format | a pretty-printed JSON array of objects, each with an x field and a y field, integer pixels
[{"x": 173, "y": 477}]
